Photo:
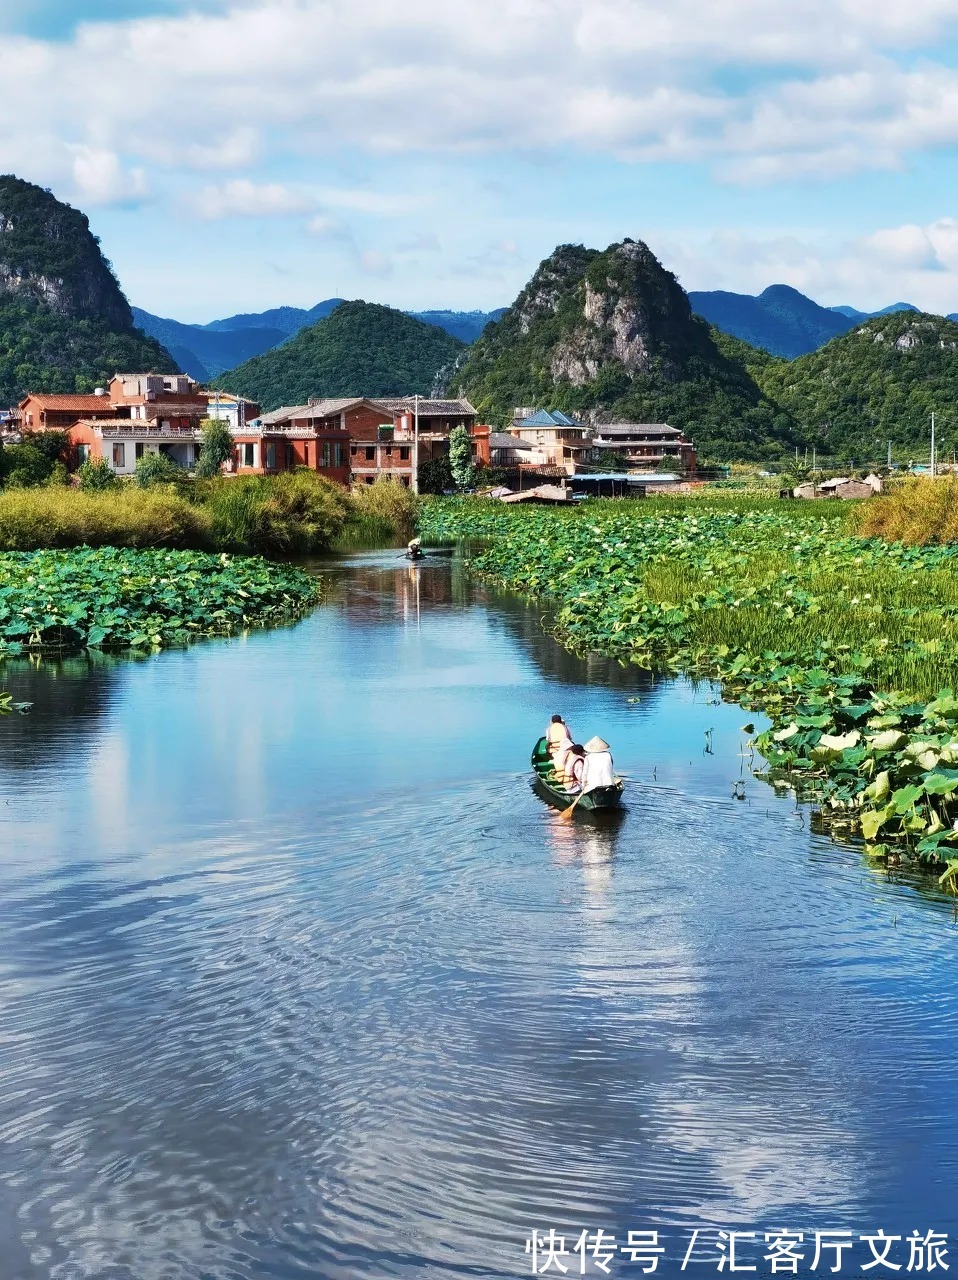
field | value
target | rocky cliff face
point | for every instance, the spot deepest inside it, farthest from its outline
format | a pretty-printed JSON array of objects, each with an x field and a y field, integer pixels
[
  {"x": 48, "y": 254},
  {"x": 65, "y": 325},
  {"x": 611, "y": 336}
]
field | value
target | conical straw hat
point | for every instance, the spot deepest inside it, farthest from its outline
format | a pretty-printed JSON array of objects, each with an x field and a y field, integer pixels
[{"x": 597, "y": 744}]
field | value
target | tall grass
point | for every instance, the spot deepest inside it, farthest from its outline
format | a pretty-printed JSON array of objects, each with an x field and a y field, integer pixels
[
  {"x": 920, "y": 511},
  {"x": 291, "y": 514},
  {"x": 59, "y": 517},
  {"x": 381, "y": 511}
]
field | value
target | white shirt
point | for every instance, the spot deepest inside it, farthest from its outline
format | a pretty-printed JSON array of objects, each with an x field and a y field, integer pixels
[{"x": 597, "y": 771}]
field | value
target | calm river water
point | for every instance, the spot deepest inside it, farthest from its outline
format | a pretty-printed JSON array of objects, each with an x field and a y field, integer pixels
[{"x": 299, "y": 979}]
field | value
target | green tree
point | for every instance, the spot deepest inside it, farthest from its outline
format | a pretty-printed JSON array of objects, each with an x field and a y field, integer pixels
[
  {"x": 96, "y": 474},
  {"x": 23, "y": 466},
  {"x": 460, "y": 458},
  {"x": 435, "y": 475},
  {"x": 217, "y": 448},
  {"x": 156, "y": 468}
]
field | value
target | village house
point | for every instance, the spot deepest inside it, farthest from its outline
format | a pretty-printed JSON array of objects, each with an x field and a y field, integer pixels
[
  {"x": 389, "y": 449},
  {"x": 645, "y": 445},
  {"x": 555, "y": 439},
  {"x": 313, "y": 435},
  {"x": 39, "y": 412}
]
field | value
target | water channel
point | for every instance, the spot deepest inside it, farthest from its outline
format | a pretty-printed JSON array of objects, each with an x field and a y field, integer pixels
[{"x": 298, "y": 978}]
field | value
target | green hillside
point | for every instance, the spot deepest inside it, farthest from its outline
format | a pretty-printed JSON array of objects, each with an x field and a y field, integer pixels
[
  {"x": 64, "y": 322},
  {"x": 612, "y": 334},
  {"x": 361, "y": 349},
  {"x": 879, "y": 382}
]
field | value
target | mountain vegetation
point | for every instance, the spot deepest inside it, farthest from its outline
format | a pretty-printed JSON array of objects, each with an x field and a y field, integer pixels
[
  {"x": 781, "y": 320},
  {"x": 64, "y": 323},
  {"x": 206, "y": 350},
  {"x": 879, "y": 382},
  {"x": 611, "y": 336},
  {"x": 361, "y": 349}
]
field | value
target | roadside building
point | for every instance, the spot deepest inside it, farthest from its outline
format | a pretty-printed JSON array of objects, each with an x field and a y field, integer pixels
[
  {"x": 645, "y": 445},
  {"x": 233, "y": 410},
  {"x": 555, "y": 439}
]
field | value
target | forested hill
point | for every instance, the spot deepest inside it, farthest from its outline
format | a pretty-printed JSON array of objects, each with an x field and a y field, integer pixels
[
  {"x": 881, "y": 381},
  {"x": 611, "y": 335},
  {"x": 360, "y": 349},
  {"x": 64, "y": 322}
]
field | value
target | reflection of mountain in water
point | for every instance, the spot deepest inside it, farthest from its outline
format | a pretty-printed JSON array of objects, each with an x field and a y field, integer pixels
[{"x": 69, "y": 696}]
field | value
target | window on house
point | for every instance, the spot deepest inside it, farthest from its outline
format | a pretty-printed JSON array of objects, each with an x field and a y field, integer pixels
[
  {"x": 138, "y": 450},
  {"x": 370, "y": 479},
  {"x": 119, "y": 457},
  {"x": 337, "y": 453},
  {"x": 83, "y": 452},
  {"x": 370, "y": 453},
  {"x": 405, "y": 480},
  {"x": 404, "y": 453},
  {"x": 248, "y": 454},
  {"x": 353, "y": 451},
  {"x": 271, "y": 455}
]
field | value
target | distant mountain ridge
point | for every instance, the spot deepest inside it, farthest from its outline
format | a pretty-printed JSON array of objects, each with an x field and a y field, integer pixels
[
  {"x": 359, "y": 349},
  {"x": 780, "y": 320},
  {"x": 206, "y": 350}
]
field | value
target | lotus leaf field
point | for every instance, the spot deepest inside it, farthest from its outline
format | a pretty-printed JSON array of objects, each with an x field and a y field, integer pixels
[
  {"x": 111, "y": 598},
  {"x": 849, "y": 645}
]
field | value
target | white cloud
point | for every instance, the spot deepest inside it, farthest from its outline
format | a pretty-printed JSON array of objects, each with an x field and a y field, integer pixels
[
  {"x": 100, "y": 178},
  {"x": 817, "y": 87},
  {"x": 243, "y": 198},
  {"x": 910, "y": 263}
]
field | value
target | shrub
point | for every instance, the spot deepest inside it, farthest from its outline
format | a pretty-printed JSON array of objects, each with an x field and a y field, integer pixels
[
  {"x": 291, "y": 514},
  {"x": 59, "y": 475},
  {"x": 123, "y": 516},
  {"x": 156, "y": 468},
  {"x": 919, "y": 511},
  {"x": 384, "y": 509},
  {"x": 435, "y": 476},
  {"x": 24, "y": 465},
  {"x": 54, "y": 445},
  {"x": 96, "y": 475},
  {"x": 217, "y": 447}
]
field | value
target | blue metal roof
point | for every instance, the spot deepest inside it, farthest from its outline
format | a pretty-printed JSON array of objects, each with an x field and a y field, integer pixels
[{"x": 549, "y": 418}]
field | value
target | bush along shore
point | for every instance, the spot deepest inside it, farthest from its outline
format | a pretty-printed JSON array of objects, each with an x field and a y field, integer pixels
[
  {"x": 848, "y": 644},
  {"x": 295, "y": 513},
  {"x": 113, "y": 598}
]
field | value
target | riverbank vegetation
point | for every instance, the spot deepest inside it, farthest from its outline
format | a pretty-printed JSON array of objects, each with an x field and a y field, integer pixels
[
  {"x": 849, "y": 644},
  {"x": 291, "y": 514},
  {"x": 113, "y": 598}
]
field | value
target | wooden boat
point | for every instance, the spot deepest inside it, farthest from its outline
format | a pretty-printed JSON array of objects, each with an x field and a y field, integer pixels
[{"x": 558, "y": 796}]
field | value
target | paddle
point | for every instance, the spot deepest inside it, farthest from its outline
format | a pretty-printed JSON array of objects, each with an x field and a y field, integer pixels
[{"x": 566, "y": 814}]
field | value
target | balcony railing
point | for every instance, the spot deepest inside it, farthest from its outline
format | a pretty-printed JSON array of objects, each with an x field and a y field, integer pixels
[{"x": 142, "y": 429}]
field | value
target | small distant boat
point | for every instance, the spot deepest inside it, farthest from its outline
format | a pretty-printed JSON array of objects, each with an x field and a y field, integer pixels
[{"x": 558, "y": 796}]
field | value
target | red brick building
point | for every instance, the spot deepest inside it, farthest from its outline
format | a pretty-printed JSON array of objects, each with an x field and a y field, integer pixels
[{"x": 38, "y": 412}]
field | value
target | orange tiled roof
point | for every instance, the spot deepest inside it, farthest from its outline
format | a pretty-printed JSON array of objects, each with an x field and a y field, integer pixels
[{"x": 72, "y": 404}]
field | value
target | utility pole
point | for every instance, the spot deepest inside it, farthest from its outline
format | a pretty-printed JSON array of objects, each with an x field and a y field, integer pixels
[
  {"x": 814, "y": 451},
  {"x": 888, "y": 463},
  {"x": 415, "y": 446},
  {"x": 933, "y": 445}
]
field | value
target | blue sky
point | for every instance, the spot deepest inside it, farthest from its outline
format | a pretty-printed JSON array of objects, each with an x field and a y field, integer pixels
[{"x": 240, "y": 154}]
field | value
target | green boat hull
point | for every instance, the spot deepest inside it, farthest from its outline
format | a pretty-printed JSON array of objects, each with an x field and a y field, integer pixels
[{"x": 599, "y": 799}]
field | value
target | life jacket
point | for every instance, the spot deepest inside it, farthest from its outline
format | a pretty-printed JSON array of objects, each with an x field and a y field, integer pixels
[{"x": 555, "y": 735}]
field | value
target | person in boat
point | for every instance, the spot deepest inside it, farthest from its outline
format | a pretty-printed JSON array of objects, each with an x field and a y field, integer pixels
[
  {"x": 574, "y": 765},
  {"x": 558, "y": 740},
  {"x": 414, "y": 549},
  {"x": 597, "y": 767}
]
